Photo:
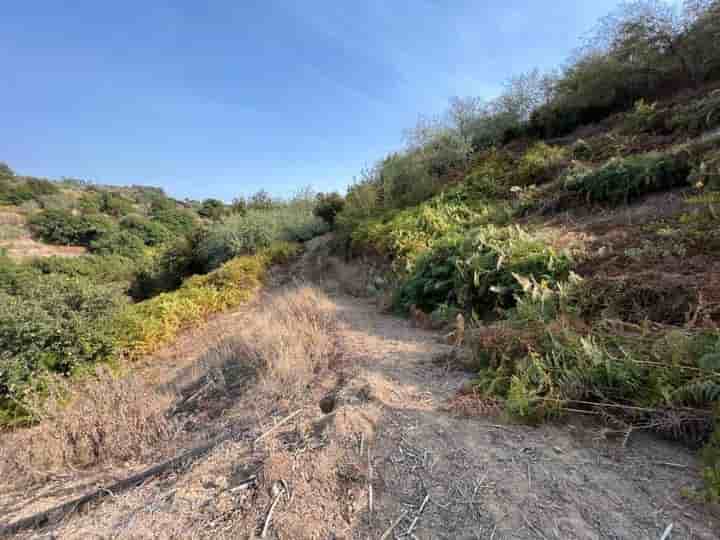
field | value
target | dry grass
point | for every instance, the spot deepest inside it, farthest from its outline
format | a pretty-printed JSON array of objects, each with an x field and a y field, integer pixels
[
  {"x": 103, "y": 420},
  {"x": 11, "y": 217},
  {"x": 290, "y": 340}
]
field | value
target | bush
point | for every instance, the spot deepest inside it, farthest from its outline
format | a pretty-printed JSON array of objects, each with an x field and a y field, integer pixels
[
  {"x": 539, "y": 164},
  {"x": 114, "y": 204},
  {"x": 256, "y": 230},
  {"x": 17, "y": 190},
  {"x": 405, "y": 235},
  {"x": 97, "y": 268},
  {"x": 623, "y": 180},
  {"x": 57, "y": 325},
  {"x": 178, "y": 222},
  {"x": 477, "y": 271},
  {"x": 151, "y": 233},
  {"x": 148, "y": 325},
  {"x": 328, "y": 206},
  {"x": 643, "y": 118},
  {"x": 581, "y": 150},
  {"x": 212, "y": 209},
  {"x": 123, "y": 243},
  {"x": 63, "y": 227},
  {"x": 166, "y": 270}
]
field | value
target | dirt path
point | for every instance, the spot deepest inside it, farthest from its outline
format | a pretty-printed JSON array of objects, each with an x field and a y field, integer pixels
[
  {"x": 474, "y": 478},
  {"x": 488, "y": 481}
]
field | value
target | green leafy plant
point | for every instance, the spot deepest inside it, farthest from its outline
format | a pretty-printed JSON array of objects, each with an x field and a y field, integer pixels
[{"x": 623, "y": 180}]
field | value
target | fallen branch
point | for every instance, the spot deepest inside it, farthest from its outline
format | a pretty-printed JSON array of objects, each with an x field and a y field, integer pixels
[
  {"x": 280, "y": 423},
  {"x": 279, "y": 490},
  {"x": 417, "y": 516},
  {"x": 56, "y": 514},
  {"x": 394, "y": 524}
]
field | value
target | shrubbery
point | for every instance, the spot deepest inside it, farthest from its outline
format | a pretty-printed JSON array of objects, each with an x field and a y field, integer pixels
[
  {"x": 255, "y": 230},
  {"x": 17, "y": 190},
  {"x": 99, "y": 269},
  {"x": 147, "y": 325},
  {"x": 55, "y": 318},
  {"x": 623, "y": 180},
  {"x": 540, "y": 164},
  {"x": 65, "y": 228},
  {"x": 123, "y": 243},
  {"x": 328, "y": 206},
  {"x": 178, "y": 222},
  {"x": 477, "y": 271},
  {"x": 56, "y": 324},
  {"x": 151, "y": 233}
]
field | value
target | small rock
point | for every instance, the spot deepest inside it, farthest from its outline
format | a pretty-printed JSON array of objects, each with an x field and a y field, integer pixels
[{"x": 327, "y": 404}]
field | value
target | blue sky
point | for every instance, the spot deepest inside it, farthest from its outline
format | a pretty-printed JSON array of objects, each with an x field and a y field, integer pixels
[{"x": 222, "y": 98}]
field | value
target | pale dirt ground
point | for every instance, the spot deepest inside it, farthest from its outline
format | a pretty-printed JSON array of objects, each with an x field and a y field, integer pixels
[{"x": 391, "y": 434}]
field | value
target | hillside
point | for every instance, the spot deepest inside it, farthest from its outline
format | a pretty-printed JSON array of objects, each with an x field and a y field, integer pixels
[{"x": 510, "y": 328}]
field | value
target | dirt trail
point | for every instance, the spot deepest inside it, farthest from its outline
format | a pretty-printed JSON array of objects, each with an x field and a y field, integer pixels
[
  {"x": 502, "y": 481},
  {"x": 474, "y": 478}
]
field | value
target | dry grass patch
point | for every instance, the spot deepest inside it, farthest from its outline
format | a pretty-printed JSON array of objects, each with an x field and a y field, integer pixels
[
  {"x": 102, "y": 420},
  {"x": 293, "y": 338}
]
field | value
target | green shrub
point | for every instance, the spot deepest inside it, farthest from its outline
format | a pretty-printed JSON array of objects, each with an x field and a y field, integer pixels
[
  {"x": 166, "y": 270},
  {"x": 123, "y": 243},
  {"x": 643, "y": 118},
  {"x": 539, "y": 164},
  {"x": 407, "y": 234},
  {"x": 212, "y": 209},
  {"x": 114, "y": 204},
  {"x": 63, "y": 227},
  {"x": 477, "y": 271},
  {"x": 98, "y": 268},
  {"x": 255, "y": 230},
  {"x": 328, "y": 206},
  {"x": 151, "y": 233},
  {"x": 581, "y": 150},
  {"x": 623, "y": 180},
  {"x": 490, "y": 176},
  {"x": 711, "y": 460},
  {"x": 146, "y": 326},
  {"x": 57, "y": 325},
  {"x": 16, "y": 190},
  {"x": 5, "y": 171},
  {"x": 16, "y": 278},
  {"x": 178, "y": 222}
]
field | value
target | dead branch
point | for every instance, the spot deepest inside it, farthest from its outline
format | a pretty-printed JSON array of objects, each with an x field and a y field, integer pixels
[{"x": 394, "y": 524}]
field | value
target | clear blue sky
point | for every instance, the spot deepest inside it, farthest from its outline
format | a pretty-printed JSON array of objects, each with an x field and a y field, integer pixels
[{"x": 224, "y": 97}]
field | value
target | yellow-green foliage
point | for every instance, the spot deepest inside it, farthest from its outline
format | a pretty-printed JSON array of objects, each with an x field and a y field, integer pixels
[
  {"x": 539, "y": 164},
  {"x": 146, "y": 326},
  {"x": 407, "y": 234}
]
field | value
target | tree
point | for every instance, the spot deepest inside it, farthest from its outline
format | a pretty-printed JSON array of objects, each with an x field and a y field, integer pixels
[
  {"x": 5, "y": 170},
  {"x": 239, "y": 206},
  {"x": 328, "y": 206},
  {"x": 464, "y": 112},
  {"x": 261, "y": 200},
  {"x": 699, "y": 41},
  {"x": 212, "y": 209},
  {"x": 524, "y": 93}
]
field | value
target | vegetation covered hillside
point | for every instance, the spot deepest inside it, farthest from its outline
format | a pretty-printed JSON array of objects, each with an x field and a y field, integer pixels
[
  {"x": 575, "y": 222},
  {"x": 143, "y": 267}
]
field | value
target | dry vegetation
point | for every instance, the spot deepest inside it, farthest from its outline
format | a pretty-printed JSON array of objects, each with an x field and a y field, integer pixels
[
  {"x": 291, "y": 340},
  {"x": 121, "y": 419},
  {"x": 106, "y": 419}
]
